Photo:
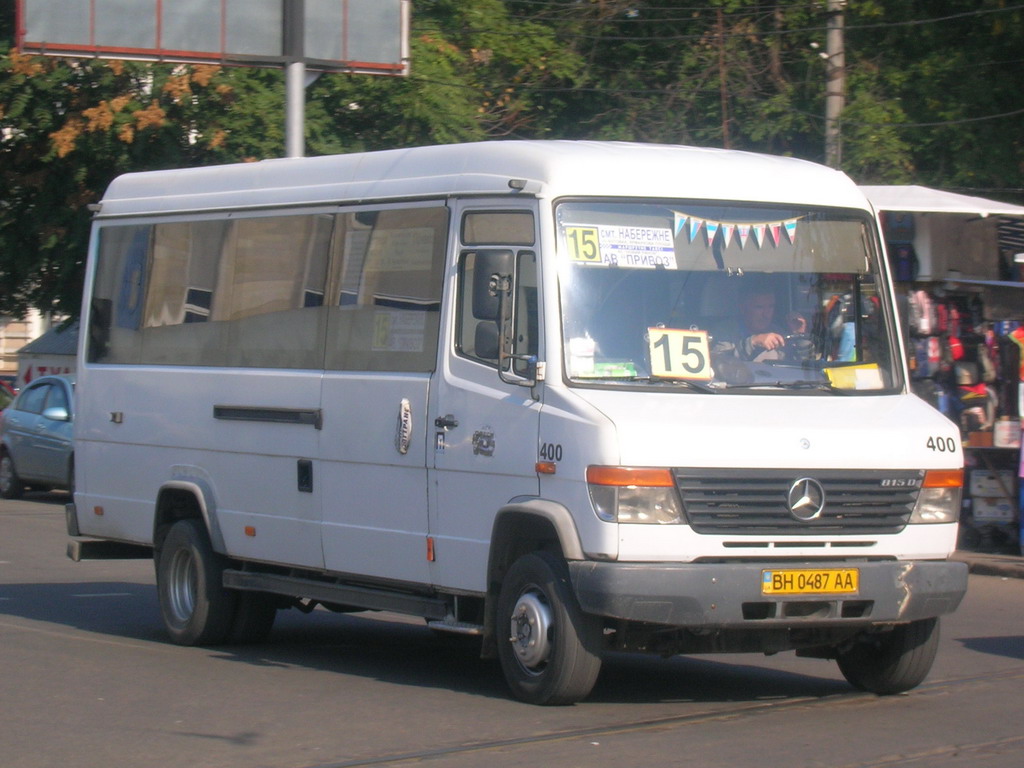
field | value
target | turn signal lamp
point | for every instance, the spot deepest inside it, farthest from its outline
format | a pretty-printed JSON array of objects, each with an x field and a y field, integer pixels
[
  {"x": 634, "y": 495},
  {"x": 939, "y": 499}
]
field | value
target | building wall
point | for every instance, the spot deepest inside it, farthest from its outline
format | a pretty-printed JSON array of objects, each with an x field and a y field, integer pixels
[
  {"x": 14, "y": 334},
  {"x": 34, "y": 366}
]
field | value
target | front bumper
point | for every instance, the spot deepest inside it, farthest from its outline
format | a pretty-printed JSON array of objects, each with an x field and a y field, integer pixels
[{"x": 728, "y": 595}]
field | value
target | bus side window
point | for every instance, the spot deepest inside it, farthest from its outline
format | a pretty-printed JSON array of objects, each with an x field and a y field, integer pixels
[
  {"x": 118, "y": 293},
  {"x": 477, "y": 324},
  {"x": 386, "y": 277}
]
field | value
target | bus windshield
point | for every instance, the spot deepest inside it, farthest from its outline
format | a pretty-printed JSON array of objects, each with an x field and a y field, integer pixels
[{"x": 723, "y": 298}]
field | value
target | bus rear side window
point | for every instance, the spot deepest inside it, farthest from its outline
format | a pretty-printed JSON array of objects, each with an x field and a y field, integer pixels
[
  {"x": 353, "y": 291},
  {"x": 212, "y": 293}
]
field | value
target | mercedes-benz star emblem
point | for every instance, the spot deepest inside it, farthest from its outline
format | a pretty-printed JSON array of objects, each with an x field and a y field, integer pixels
[{"x": 806, "y": 499}]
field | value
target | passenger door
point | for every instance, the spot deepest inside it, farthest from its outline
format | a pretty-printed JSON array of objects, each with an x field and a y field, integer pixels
[
  {"x": 53, "y": 435},
  {"x": 484, "y": 430},
  {"x": 383, "y": 320},
  {"x": 22, "y": 421}
]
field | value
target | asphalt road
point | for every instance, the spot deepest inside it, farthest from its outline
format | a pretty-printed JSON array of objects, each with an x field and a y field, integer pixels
[{"x": 87, "y": 680}]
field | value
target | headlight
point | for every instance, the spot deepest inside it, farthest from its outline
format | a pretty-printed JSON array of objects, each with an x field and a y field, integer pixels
[
  {"x": 634, "y": 495},
  {"x": 939, "y": 499}
]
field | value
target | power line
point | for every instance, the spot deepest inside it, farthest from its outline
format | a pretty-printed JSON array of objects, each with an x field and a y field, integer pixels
[
  {"x": 743, "y": 34},
  {"x": 662, "y": 92},
  {"x": 933, "y": 124}
]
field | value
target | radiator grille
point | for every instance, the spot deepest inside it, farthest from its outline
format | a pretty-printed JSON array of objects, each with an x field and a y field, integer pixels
[{"x": 756, "y": 501}]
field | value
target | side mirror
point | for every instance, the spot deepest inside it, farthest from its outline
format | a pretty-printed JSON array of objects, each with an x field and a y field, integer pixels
[
  {"x": 56, "y": 413},
  {"x": 487, "y": 264}
]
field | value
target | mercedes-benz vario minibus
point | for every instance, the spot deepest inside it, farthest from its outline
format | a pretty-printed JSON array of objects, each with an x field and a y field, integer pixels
[{"x": 572, "y": 397}]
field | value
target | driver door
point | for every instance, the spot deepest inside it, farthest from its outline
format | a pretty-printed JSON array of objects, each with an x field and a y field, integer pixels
[{"x": 485, "y": 429}]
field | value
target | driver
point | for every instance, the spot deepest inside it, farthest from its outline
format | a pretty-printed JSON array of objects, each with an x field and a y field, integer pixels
[{"x": 754, "y": 333}]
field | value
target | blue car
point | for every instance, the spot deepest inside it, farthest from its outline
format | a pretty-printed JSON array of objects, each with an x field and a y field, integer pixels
[{"x": 35, "y": 438}]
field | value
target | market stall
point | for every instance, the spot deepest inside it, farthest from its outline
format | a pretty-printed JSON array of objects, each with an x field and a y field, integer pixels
[{"x": 957, "y": 261}]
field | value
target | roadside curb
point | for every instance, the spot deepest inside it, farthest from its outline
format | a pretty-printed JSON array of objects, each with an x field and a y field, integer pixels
[{"x": 1007, "y": 566}]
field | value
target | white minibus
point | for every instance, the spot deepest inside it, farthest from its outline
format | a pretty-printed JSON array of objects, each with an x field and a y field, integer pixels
[{"x": 574, "y": 398}]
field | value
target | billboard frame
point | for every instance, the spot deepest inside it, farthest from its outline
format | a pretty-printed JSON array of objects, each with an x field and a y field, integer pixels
[
  {"x": 290, "y": 52},
  {"x": 293, "y": 14}
]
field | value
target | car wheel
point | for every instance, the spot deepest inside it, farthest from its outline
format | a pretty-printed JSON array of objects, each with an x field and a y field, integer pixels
[
  {"x": 892, "y": 662},
  {"x": 254, "y": 618},
  {"x": 196, "y": 608},
  {"x": 548, "y": 647},
  {"x": 11, "y": 486}
]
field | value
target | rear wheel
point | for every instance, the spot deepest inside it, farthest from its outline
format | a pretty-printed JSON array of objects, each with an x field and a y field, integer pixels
[
  {"x": 11, "y": 486},
  {"x": 254, "y": 618},
  {"x": 551, "y": 654},
  {"x": 892, "y": 662},
  {"x": 196, "y": 608}
]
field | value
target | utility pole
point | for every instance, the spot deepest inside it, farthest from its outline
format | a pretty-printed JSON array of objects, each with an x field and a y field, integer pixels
[
  {"x": 835, "y": 83},
  {"x": 723, "y": 82},
  {"x": 295, "y": 78}
]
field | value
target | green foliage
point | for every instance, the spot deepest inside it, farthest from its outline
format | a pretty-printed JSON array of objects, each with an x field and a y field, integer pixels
[{"x": 933, "y": 96}]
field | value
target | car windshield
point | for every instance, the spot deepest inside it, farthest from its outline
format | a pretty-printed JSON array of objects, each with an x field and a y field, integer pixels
[{"x": 723, "y": 298}]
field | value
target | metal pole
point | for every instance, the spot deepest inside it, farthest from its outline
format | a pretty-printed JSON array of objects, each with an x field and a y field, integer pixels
[
  {"x": 835, "y": 83},
  {"x": 295, "y": 78},
  {"x": 295, "y": 117},
  {"x": 723, "y": 81}
]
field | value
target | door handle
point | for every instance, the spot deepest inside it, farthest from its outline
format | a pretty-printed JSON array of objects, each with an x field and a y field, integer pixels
[{"x": 447, "y": 421}]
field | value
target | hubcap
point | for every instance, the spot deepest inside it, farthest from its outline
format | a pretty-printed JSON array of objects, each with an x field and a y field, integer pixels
[
  {"x": 531, "y": 628},
  {"x": 5, "y": 473},
  {"x": 182, "y": 585}
]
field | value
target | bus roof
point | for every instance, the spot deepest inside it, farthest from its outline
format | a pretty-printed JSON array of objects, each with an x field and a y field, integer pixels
[{"x": 548, "y": 169}]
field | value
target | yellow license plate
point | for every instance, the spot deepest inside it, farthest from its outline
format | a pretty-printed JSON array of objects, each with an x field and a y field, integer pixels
[{"x": 820, "y": 581}]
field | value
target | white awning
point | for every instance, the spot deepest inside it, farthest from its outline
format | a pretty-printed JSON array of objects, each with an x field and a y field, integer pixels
[{"x": 915, "y": 199}]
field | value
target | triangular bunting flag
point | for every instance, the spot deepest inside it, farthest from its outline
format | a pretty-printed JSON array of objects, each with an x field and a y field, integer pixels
[
  {"x": 711, "y": 229},
  {"x": 680, "y": 219},
  {"x": 790, "y": 227},
  {"x": 734, "y": 230},
  {"x": 727, "y": 230}
]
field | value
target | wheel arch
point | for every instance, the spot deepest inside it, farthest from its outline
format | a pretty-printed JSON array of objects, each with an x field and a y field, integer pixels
[
  {"x": 521, "y": 527},
  {"x": 184, "y": 499}
]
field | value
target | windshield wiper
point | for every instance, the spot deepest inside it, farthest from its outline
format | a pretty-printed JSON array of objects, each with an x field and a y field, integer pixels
[
  {"x": 699, "y": 386},
  {"x": 822, "y": 386}
]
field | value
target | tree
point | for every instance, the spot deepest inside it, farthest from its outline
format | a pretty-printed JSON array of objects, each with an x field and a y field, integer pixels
[
  {"x": 933, "y": 97},
  {"x": 950, "y": 71},
  {"x": 68, "y": 127}
]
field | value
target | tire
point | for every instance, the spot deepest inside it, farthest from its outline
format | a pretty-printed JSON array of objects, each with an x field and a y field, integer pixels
[
  {"x": 11, "y": 486},
  {"x": 551, "y": 654},
  {"x": 892, "y": 662},
  {"x": 71, "y": 478},
  {"x": 196, "y": 608},
  {"x": 254, "y": 618}
]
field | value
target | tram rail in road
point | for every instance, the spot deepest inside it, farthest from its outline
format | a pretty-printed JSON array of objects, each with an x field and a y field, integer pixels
[{"x": 98, "y": 686}]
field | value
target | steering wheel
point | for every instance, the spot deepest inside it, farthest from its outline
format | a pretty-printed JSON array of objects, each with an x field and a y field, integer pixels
[{"x": 799, "y": 347}]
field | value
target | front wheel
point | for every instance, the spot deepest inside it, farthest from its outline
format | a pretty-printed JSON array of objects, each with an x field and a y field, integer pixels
[
  {"x": 551, "y": 654},
  {"x": 11, "y": 486},
  {"x": 892, "y": 662},
  {"x": 196, "y": 608}
]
